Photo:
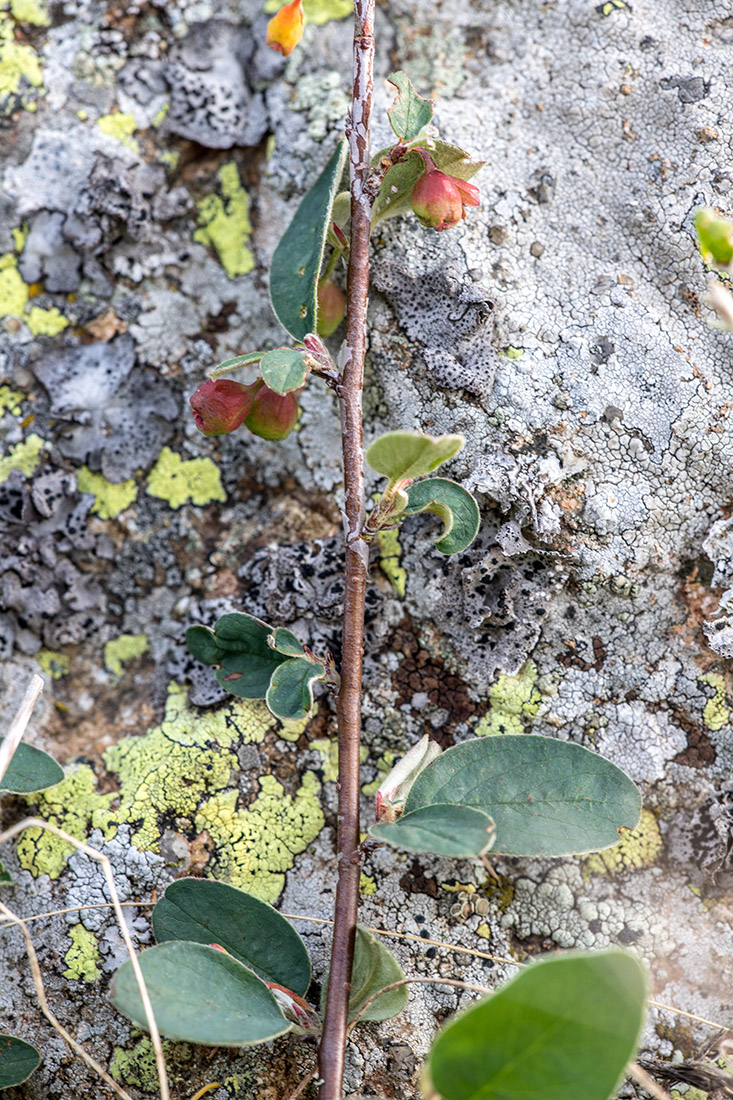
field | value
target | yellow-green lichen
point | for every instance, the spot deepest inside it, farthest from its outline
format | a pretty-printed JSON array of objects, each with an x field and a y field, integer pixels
[
  {"x": 177, "y": 481},
  {"x": 160, "y": 115},
  {"x": 26, "y": 457},
  {"x": 121, "y": 127},
  {"x": 13, "y": 291},
  {"x": 20, "y": 236},
  {"x": 390, "y": 552},
  {"x": 46, "y": 322},
  {"x": 716, "y": 712},
  {"x": 82, "y": 958},
  {"x": 328, "y": 749},
  {"x": 367, "y": 885},
  {"x": 10, "y": 401},
  {"x": 637, "y": 848},
  {"x": 125, "y": 648},
  {"x": 136, "y": 1067},
  {"x": 30, "y": 11},
  {"x": 318, "y": 11},
  {"x": 53, "y": 664},
  {"x": 20, "y": 70},
  {"x": 169, "y": 158},
  {"x": 511, "y": 353},
  {"x": 515, "y": 701},
  {"x": 110, "y": 498},
  {"x": 224, "y": 223},
  {"x": 72, "y": 805},
  {"x": 256, "y": 846}
]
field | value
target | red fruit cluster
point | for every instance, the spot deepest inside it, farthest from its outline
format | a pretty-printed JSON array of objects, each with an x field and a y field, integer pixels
[{"x": 222, "y": 406}]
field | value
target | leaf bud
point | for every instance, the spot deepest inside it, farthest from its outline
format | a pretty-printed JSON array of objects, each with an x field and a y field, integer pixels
[
  {"x": 273, "y": 415},
  {"x": 220, "y": 406},
  {"x": 392, "y": 795},
  {"x": 439, "y": 200},
  {"x": 285, "y": 29},
  {"x": 331, "y": 307}
]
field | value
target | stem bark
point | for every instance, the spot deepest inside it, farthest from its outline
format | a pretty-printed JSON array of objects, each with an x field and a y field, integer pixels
[{"x": 333, "y": 1041}]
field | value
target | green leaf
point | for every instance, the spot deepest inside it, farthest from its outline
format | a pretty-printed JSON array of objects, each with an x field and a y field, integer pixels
[
  {"x": 5, "y": 877},
  {"x": 459, "y": 832},
  {"x": 410, "y": 112},
  {"x": 233, "y": 364},
  {"x": 284, "y": 641},
  {"x": 374, "y": 968},
  {"x": 714, "y": 237},
  {"x": 297, "y": 261},
  {"x": 396, "y": 190},
  {"x": 30, "y": 770},
  {"x": 290, "y": 694},
  {"x": 199, "y": 995},
  {"x": 239, "y": 644},
  {"x": 18, "y": 1060},
  {"x": 563, "y": 1029},
  {"x": 401, "y": 456},
  {"x": 284, "y": 369},
  {"x": 453, "y": 504},
  {"x": 547, "y": 797},
  {"x": 203, "y": 911}
]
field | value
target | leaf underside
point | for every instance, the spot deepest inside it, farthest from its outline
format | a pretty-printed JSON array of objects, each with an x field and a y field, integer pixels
[
  {"x": 374, "y": 967},
  {"x": 290, "y": 694},
  {"x": 459, "y": 832},
  {"x": 403, "y": 455},
  {"x": 284, "y": 369},
  {"x": 453, "y": 504},
  {"x": 410, "y": 112}
]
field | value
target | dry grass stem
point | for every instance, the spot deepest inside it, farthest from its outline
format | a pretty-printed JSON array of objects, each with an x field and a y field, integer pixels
[{"x": 648, "y": 1083}]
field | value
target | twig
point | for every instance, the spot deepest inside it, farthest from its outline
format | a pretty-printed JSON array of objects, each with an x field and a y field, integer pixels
[
  {"x": 303, "y": 1085},
  {"x": 642, "y": 1078},
  {"x": 333, "y": 1041},
  {"x": 17, "y": 727},
  {"x": 41, "y": 994},
  {"x": 37, "y": 822}
]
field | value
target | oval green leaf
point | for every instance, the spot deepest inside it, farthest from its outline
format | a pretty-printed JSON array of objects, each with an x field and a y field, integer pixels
[
  {"x": 203, "y": 911},
  {"x": 460, "y": 832},
  {"x": 201, "y": 642},
  {"x": 18, "y": 1060},
  {"x": 547, "y": 797},
  {"x": 453, "y": 504},
  {"x": 284, "y": 369},
  {"x": 563, "y": 1029},
  {"x": 410, "y": 112},
  {"x": 396, "y": 190},
  {"x": 199, "y": 995},
  {"x": 284, "y": 641},
  {"x": 30, "y": 770},
  {"x": 296, "y": 263},
  {"x": 239, "y": 644},
  {"x": 401, "y": 456},
  {"x": 290, "y": 694},
  {"x": 374, "y": 968}
]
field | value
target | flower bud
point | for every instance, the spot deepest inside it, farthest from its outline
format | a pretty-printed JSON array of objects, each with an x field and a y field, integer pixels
[
  {"x": 285, "y": 29},
  {"x": 392, "y": 795},
  {"x": 273, "y": 415},
  {"x": 295, "y": 1009},
  {"x": 439, "y": 200},
  {"x": 220, "y": 407},
  {"x": 331, "y": 307}
]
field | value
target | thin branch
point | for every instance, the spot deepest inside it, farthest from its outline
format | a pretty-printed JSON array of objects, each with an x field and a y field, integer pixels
[
  {"x": 17, "y": 727},
  {"x": 37, "y": 822},
  {"x": 333, "y": 1042},
  {"x": 642, "y": 1078},
  {"x": 41, "y": 994}
]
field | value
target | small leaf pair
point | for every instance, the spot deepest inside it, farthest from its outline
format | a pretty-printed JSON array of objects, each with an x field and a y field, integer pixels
[
  {"x": 229, "y": 970},
  {"x": 257, "y": 661},
  {"x": 403, "y": 456}
]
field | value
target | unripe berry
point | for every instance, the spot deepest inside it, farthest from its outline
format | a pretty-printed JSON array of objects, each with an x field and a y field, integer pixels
[
  {"x": 220, "y": 406},
  {"x": 273, "y": 415},
  {"x": 439, "y": 200},
  {"x": 331, "y": 307}
]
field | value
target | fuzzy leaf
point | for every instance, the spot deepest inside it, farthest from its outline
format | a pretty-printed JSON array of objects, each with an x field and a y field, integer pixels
[
  {"x": 374, "y": 967},
  {"x": 203, "y": 911},
  {"x": 30, "y": 770},
  {"x": 18, "y": 1060},
  {"x": 297, "y": 261},
  {"x": 284, "y": 369},
  {"x": 547, "y": 797},
  {"x": 290, "y": 694},
  {"x": 410, "y": 112},
  {"x": 453, "y": 504},
  {"x": 199, "y": 995},
  {"x": 394, "y": 194},
  {"x": 404, "y": 455},
  {"x": 563, "y": 1029},
  {"x": 239, "y": 645},
  {"x": 460, "y": 832},
  {"x": 234, "y": 364},
  {"x": 284, "y": 641}
]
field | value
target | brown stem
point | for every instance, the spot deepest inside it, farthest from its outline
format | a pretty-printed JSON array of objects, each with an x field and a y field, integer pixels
[{"x": 333, "y": 1041}]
